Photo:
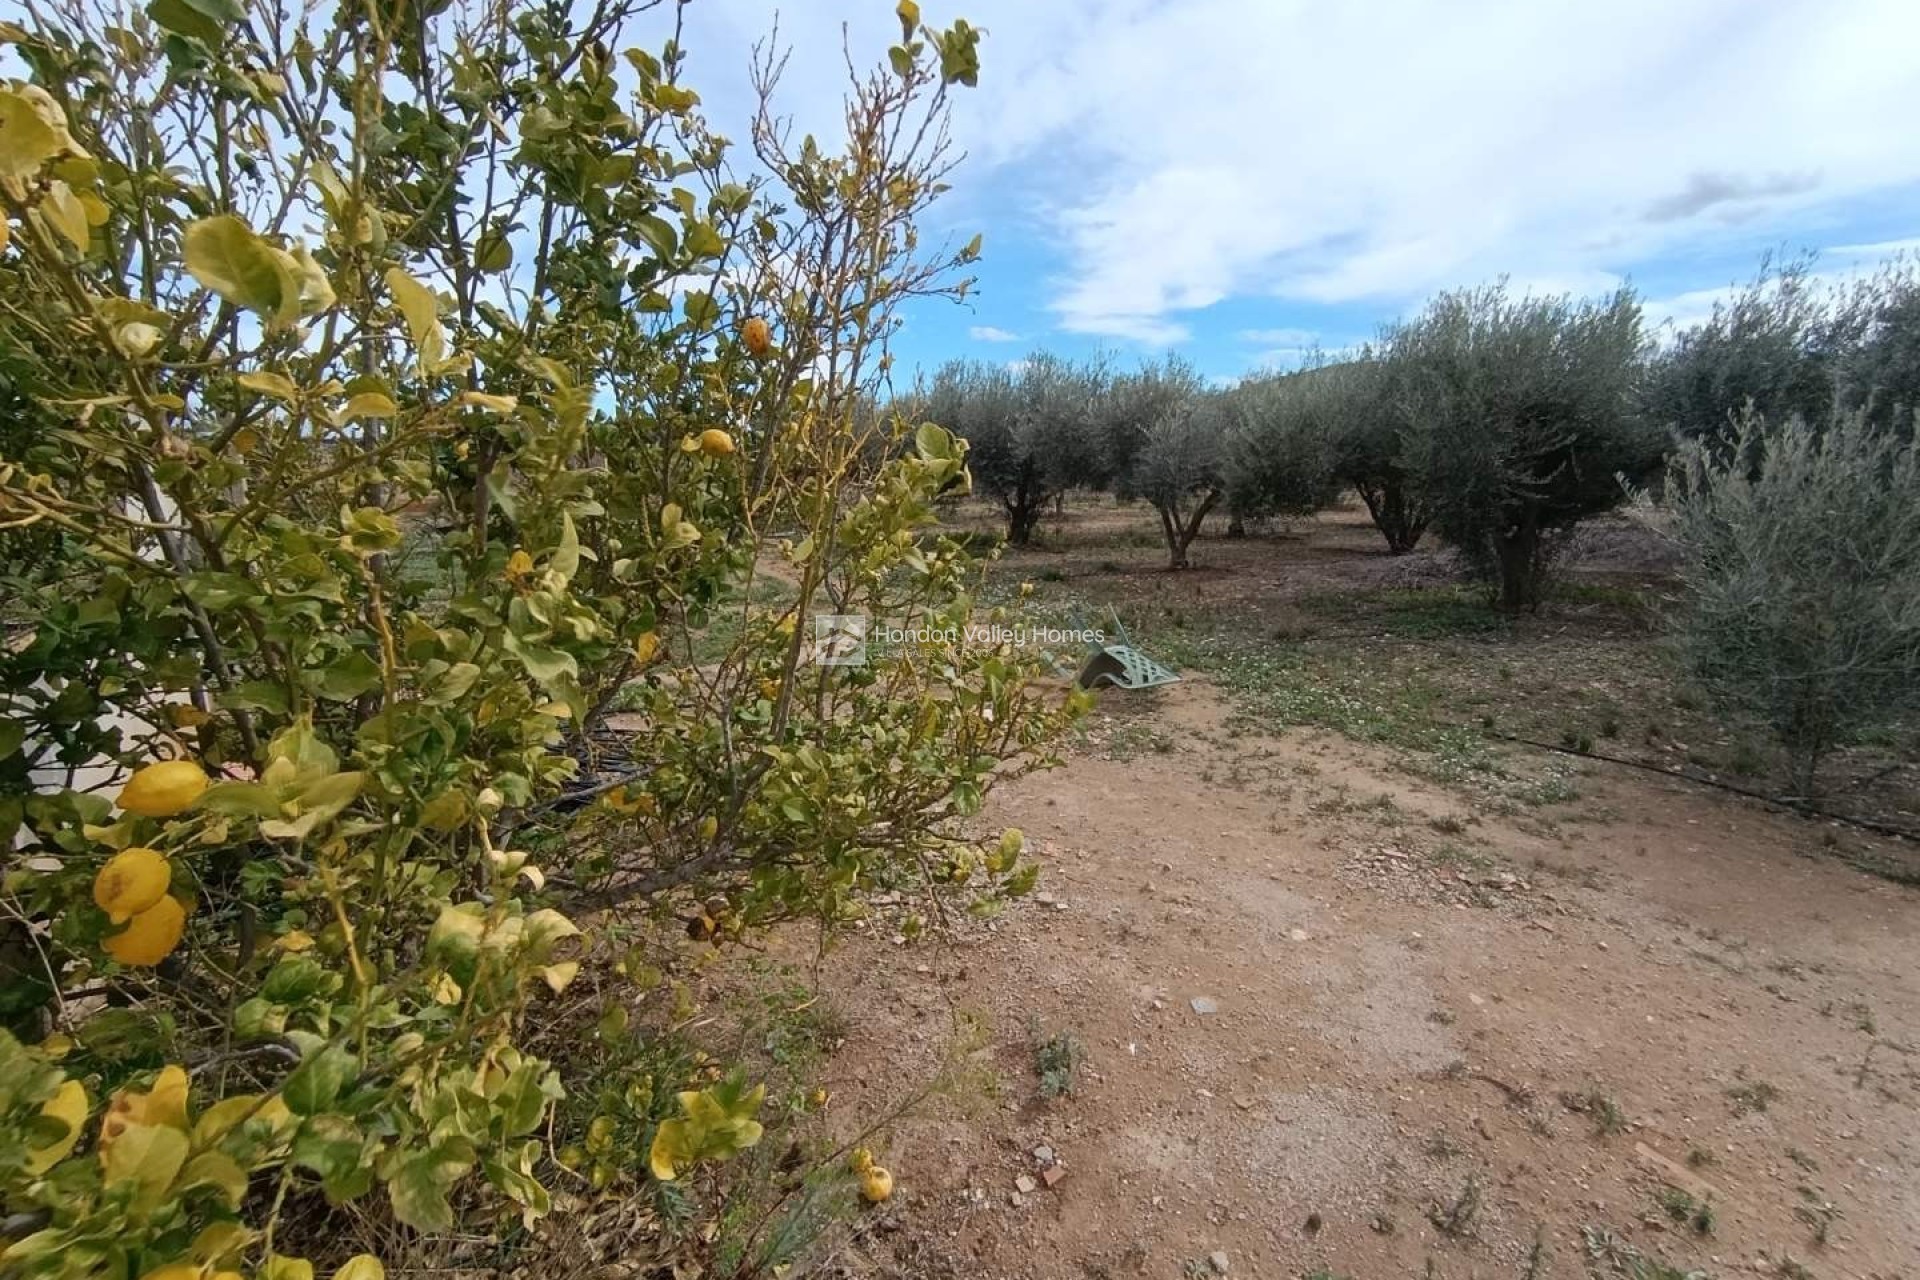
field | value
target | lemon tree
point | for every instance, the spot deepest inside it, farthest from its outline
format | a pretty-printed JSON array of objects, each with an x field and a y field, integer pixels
[{"x": 407, "y": 390}]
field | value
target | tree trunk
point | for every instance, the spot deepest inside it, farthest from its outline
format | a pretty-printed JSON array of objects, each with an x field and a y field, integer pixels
[
  {"x": 1393, "y": 515},
  {"x": 1181, "y": 533},
  {"x": 1517, "y": 552}
]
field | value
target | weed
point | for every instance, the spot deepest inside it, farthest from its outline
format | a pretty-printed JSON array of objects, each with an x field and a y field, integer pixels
[
  {"x": 1457, "y": 1218},
  {"x": 1596, "y": 1104},
  {"x": 1818, "y": 1213},
  {"x": 1683, "y": 1208},
  {"x": 1448, "y": 825},
  {"x": 1537, "y": 1255},
  {"x": 1699, "y": 1158},
  {"x": 1055, "y": 1060},
  {"x": 1755, "y": 1095}
]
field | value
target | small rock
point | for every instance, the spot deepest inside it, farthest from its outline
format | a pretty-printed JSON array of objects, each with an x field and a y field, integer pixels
[
  {"x": 1043, "y": 1154},
  {"x": 1218, "y": 1261},
  {"x": 1025, "y": 1185},
  {"x": 1296, "y": 935},
  {"x": 1052, "y": 1174},
  {"x": 1016, "y": 1199},
  {"x": 1204, "y": 1005}
]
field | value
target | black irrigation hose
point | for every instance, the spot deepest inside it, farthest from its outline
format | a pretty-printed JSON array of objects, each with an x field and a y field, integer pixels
[{"x": 1792, "y": 804}]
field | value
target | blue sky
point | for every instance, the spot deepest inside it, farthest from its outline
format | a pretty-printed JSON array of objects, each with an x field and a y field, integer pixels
[{"x": 1236, "y": 180}]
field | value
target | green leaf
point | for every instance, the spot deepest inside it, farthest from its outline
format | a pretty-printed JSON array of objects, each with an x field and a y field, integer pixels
[
  {"x": 317, "y": 1081},
  {"x": 658, "y": 233},
  {"x": 902, "y": 59},
  {"x": 185, "y": 19},
  {"x": 700, "y": 308},
  {"x": 543, "y": 663},
  {"x": 348, "y": 677},
  {"x": 419, "y": 1181},
  {"x": 225, "y": 255},
  {"x": 493, "y": 253},
  {"x": 703, "y": 241}
]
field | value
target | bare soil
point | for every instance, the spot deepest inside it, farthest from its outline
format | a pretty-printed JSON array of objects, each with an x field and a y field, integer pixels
[{"x": 1334, "y": 1014}]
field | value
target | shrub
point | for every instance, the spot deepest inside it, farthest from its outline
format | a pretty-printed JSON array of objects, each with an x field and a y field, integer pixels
[
  {"x": 362, "y": 532},
  {"x": 1524, "y": 422},
  {"x": 1802, "y": 573}
]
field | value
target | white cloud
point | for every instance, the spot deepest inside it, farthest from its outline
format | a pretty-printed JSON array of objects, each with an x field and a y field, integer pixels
[
  {"x": 1337, "y": 153},
  {"x": 990, "y": 333},
  {"x": 1174, "y": 155}
]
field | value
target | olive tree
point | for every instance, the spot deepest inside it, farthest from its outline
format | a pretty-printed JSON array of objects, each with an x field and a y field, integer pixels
[
  {"x": 1279, "y": 447},
  {"x": 1167, "y": 440},
  {"x": 1770, "y": 348},
  {"x": 1802, "y": 575},
  {"x": 1877, "y": 361},
  {"x": 1033, "y": 431},
  {"x": 1523, "y": 422}
]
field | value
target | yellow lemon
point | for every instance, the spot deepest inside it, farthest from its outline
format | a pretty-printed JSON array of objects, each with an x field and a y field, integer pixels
[
  {"x": 757, "y": 337},
  {"x": 876, "y": 1184},
  {"x": 163, "y": 789},
  {"x": 131, "y": 881},
  {"x": 715, "y": 443},
  {"x": 151, "y": 935}
]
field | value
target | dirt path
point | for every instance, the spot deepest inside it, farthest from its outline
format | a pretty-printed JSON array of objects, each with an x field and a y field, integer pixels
[{"x": 1390, "y": 1038}]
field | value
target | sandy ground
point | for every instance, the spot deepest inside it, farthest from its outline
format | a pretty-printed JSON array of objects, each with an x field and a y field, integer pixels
[{"x": 1440, "y": 1043}]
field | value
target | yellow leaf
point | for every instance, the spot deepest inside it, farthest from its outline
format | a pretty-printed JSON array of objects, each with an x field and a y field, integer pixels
[
  {"x": 421, "y": 309},
  {"x": 149, "y": 1156},
  {"x": 150, "y": 936},
  {"x": 214, "y": 1169},
  {"x": 559, "y": 975},
  {"x": 362, "y": 1266},
  {"x": 645, "y": 647},
  {"x": 295, "y": 941},
  {"x": 131, "y": 881},
  {"x": 228, "y": 1113},
  {"x": 69, "y": 1106},
  {"x": 368, "y": 404},
  {"x": 65, "y": 214},
  {"x": 272, "y": 384},
  {"x": 224, "y": 254},
  {"x": 481, "y": 400},
  {"x": 670, "y": 1146},
  {"x": 28, "y": 137}
]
